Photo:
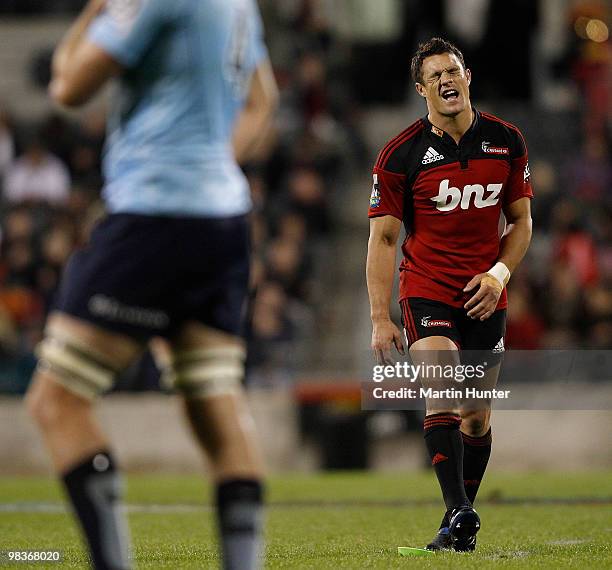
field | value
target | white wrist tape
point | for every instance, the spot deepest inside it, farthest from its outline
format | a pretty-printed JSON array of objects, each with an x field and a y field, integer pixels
[{"x": 500, "y": 272}]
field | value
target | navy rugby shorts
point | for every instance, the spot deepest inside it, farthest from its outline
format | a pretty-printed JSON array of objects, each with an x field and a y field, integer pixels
[{"x": 145, "y": 276}]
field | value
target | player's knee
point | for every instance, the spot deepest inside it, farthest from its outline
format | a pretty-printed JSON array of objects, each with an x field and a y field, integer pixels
[
  {"x": 74, "y": 366},
  {"x": 207, "y": 372},
  {"x": 49, "y": 403},
  {"x": 475, "y": 422},
  {"x": 433, "y": 343}
]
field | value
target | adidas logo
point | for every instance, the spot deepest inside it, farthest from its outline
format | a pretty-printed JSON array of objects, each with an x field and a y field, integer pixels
[
  {"x": 437, "y": 458},
  {"x": 499, "y": 347},
  {"x": 431, "y": 156}
]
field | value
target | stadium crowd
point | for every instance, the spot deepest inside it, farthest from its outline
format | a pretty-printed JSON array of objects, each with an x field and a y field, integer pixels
[
  {"x": 562, "y": 296},
  {"x": 50, "y": 175},
  {"x": 50, "y": 182}
]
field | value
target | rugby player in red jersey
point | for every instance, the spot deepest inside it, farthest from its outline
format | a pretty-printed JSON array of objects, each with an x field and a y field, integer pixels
[{"x": 448, "y": 178}]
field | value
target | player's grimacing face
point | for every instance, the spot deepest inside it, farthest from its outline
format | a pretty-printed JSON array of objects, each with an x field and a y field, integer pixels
[{"x": 445, "y": 84}]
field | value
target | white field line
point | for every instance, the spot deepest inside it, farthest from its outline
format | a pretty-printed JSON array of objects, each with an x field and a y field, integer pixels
[{"x": 178, "y": 508}]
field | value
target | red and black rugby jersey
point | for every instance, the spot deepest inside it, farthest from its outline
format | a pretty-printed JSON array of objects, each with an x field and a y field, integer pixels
[{"x": 450, "y": 197}]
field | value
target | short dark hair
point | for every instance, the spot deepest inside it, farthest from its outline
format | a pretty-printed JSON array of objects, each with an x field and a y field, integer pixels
[{"x": 434, "y": 46}]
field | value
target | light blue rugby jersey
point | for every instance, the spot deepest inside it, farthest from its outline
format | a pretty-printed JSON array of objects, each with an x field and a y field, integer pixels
[{"x": 188, "y": 65}]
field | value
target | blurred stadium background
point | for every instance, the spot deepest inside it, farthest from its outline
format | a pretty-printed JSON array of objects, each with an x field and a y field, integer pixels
[{"x": 343, "y": 70}]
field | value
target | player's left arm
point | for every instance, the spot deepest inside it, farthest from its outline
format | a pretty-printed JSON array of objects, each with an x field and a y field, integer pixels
[
  {"x": 513, "y": 246},
  {"x": 253, "y": 129},
  {"x": 255, "y": 120},
  {"x": 517, "y": 235},
  {"x": 516, "y": 206},
  {"x": 79, "y": 67}
]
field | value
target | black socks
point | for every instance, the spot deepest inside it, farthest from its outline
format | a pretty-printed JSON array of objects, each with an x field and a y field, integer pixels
[
  {"x": 476, "y": 453},
  {"x": 95, "y": 490},
  {"x": 445, "y": 446},
  {"x": 240, "y": 513}
]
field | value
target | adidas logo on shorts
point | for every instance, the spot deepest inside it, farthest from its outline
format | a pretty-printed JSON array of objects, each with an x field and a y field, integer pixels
[
  {"x": 499, "y": 347},
  {"x": 432, "y": 155}
]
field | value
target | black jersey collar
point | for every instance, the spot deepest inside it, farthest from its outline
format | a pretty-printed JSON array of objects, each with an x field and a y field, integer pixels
[{"x": 438, "y": 134}]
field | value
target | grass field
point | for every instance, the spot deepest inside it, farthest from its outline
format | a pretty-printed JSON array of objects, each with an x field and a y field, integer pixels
[{"x": 343, "y": 520}]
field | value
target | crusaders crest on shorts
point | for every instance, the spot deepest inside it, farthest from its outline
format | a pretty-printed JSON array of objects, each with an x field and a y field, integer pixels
[{"x": 375, "y": 195}]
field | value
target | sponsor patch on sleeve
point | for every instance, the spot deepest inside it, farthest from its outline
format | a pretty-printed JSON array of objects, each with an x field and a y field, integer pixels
[{"x": 375, "y": 195}]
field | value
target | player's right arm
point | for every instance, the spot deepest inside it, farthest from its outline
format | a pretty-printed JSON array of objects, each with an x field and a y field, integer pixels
[
  {"x": 105, "y": 40},
  {"x": 386, "y": 213},
  {"x": 380, "y": 273},
  {"x": 254, "y": 121},
  {"x": 79, "y": 68}
]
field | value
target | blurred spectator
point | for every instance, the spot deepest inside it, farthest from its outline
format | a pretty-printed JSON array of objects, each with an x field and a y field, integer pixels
[
  {"x": 308, "y": 198},
  {"x": 7, "y": 144},
  {"x": 58, "y": 136},
  {"x": 17, "y": 260},
  {"x": 57, "y": 246},
  {"x": 560, "y": 338},
  {"x": 598, "y": 305},
  {"x": 311, "y": 90},
  {"x": 590, "y": 173},
  {"x": 602, "y": 229},
  {"x": 84, "y": 164},
  {"x": 37, "y": 176},
  {"x": 547, "y": 184},
  {"x": 269, "y": 315},
  {"x": 18, "y": 224},
  {"x": 270, "y": 332},
  {"x": 525, "y": 327},
  {"x": 563, "y": 301},
  {"x": 577, "y": 255},
  {"x": 285, "y": 267},
  {"x": 23, "y": 306},
  {"x": 590, "y": 60},
  {"x": 292, "y": 228},
  {"x": 9, "y": 335}
]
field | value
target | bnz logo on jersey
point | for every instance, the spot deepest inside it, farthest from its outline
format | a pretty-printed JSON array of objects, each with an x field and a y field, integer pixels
[{"x": 449, "y": 197}]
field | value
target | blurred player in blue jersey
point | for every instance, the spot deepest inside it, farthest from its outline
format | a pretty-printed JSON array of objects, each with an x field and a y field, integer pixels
[{"x": 195, "y": 93}]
